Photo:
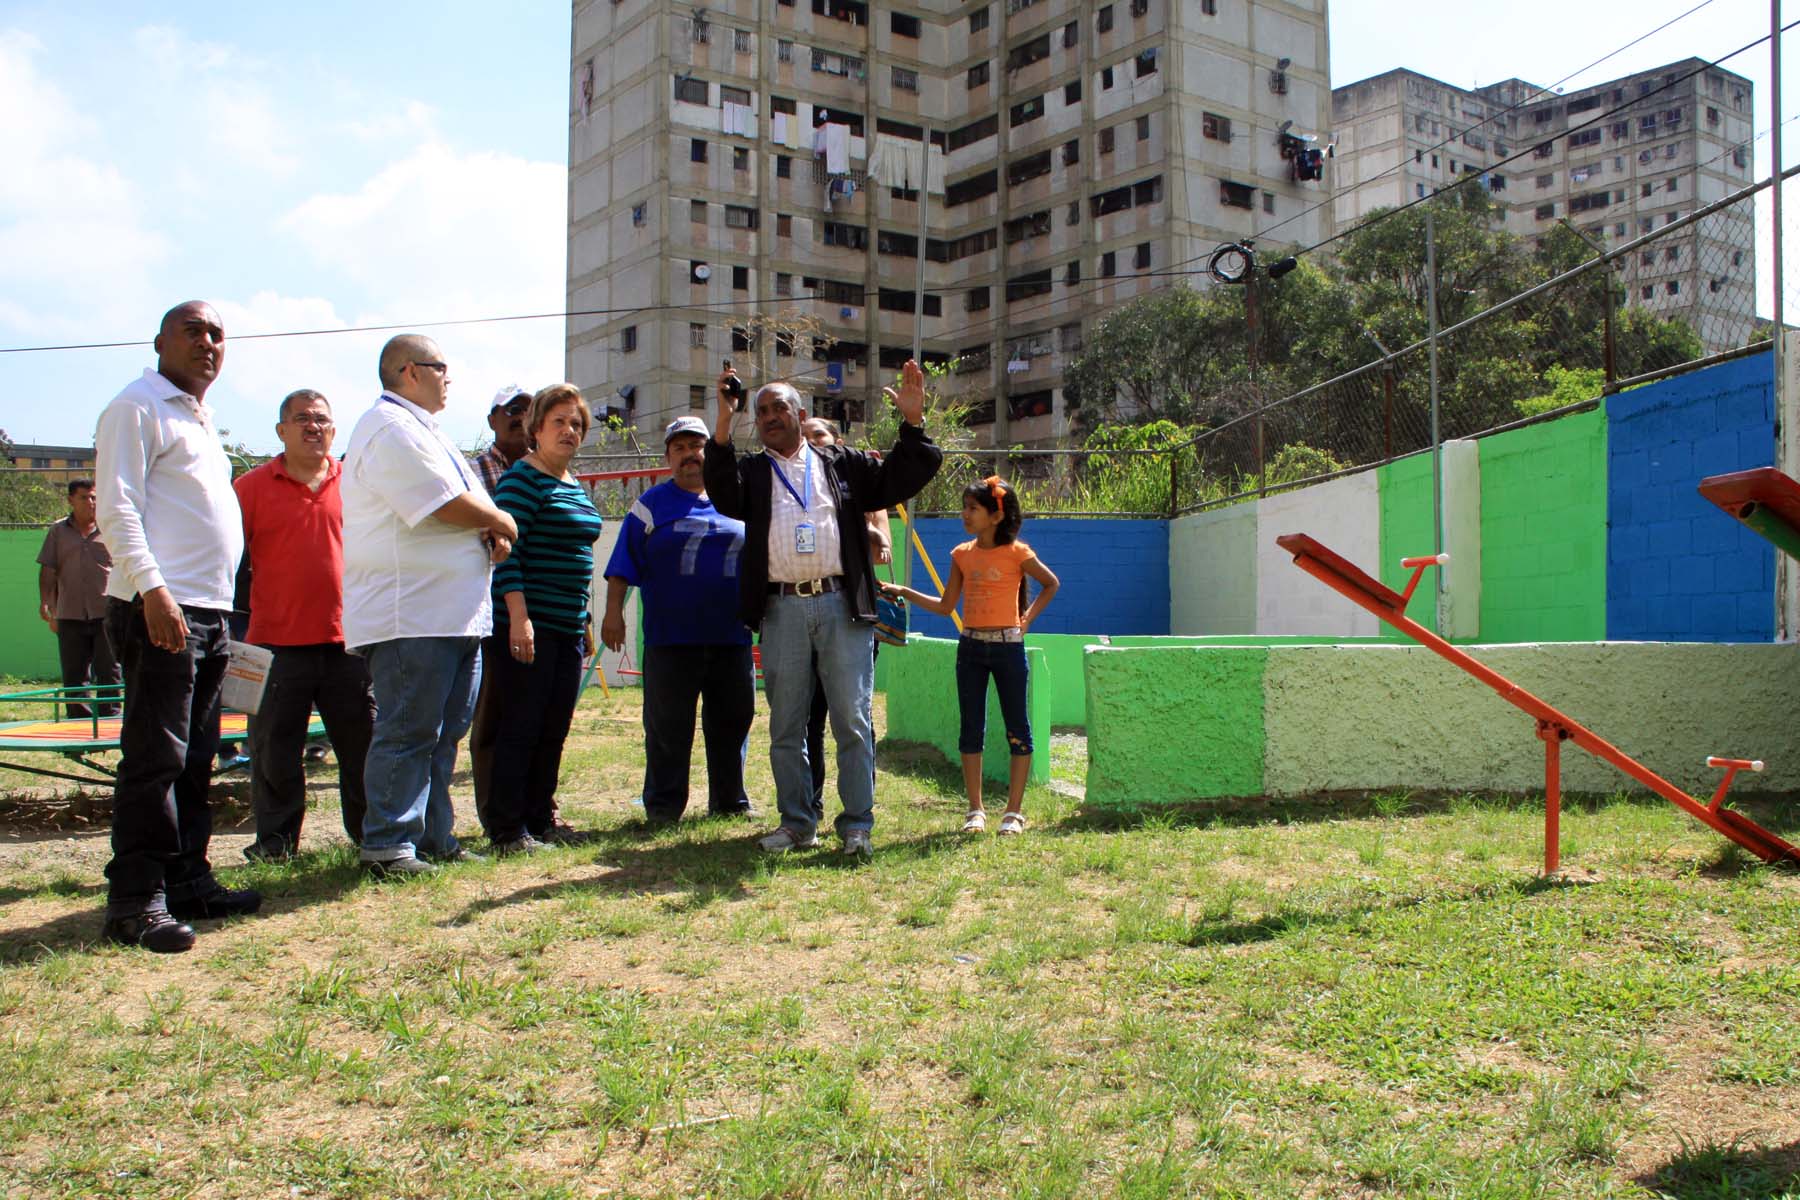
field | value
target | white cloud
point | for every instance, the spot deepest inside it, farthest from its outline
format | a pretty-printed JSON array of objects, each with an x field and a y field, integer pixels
[
  {"x": 415, "y": 121},
  {"x": 232, "y": 106}
]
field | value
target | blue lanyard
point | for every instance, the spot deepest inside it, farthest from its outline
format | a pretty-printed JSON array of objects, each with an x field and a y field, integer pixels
[
  {"x": 805, "y": 482},
  {"x": 462, "y": 468}
]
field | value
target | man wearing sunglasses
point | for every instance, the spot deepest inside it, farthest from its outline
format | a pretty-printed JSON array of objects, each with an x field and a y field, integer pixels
[{"x": 506, "y": 417}]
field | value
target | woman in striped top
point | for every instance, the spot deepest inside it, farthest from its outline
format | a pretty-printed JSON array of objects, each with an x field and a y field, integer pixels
[{"x": 541, "y": 610}]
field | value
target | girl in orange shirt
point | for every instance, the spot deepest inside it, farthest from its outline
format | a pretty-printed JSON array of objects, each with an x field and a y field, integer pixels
[{"x": 992, "y": 567}]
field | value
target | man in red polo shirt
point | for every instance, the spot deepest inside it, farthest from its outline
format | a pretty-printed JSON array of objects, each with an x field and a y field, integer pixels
[{"x": 294, "y": 542}]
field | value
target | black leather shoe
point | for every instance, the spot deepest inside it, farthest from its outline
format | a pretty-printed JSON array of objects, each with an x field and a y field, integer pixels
[
  {"x": 216, "y": 906},
  {"x": 156, "y": 932}
]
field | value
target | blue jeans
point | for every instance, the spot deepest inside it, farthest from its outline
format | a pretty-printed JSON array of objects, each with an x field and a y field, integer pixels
[
  {"x": 424, "y": 700},
  {"x": 1005, "y": 662},
  {"x": 794, "y": 630}
]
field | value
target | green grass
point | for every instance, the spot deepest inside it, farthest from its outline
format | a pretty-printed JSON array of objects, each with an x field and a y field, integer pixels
[{"x": 1372, "y": 998}]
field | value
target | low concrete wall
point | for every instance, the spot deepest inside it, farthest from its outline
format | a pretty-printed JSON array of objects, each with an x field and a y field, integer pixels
[
  {"x": 27, "y": 647},
  {"x": 1172, "y": 724},
  {"x": 922, "y": 706}
]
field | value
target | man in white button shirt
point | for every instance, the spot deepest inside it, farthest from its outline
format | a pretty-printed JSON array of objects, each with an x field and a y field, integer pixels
[
  {"x": 420, "y": 538},
  {"x": 170, "y": 520}
]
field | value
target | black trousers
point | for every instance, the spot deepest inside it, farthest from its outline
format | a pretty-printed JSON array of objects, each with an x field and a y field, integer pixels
[
  {"x": 86, "y": 652},
  {"x": 300, "y": 677},
  {"x": 722, "y": 679},
  {"x": 162, "y": 821},
  {"x": 536, "y": 702}
]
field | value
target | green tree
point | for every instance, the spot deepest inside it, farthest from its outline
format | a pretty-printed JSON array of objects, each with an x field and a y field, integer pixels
[{"x": 27, "y": 498}]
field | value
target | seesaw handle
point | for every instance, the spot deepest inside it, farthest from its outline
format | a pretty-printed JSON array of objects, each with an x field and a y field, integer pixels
[
  {"x": 1735, "y": 764},
  {"x": 1424, "y": 560}
]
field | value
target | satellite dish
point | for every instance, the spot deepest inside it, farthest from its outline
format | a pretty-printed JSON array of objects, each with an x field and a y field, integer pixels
[{"x": 703, "y": 272}]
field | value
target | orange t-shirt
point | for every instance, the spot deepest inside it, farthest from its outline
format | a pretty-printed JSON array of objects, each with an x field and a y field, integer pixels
[{"x": 990, "y": 598}]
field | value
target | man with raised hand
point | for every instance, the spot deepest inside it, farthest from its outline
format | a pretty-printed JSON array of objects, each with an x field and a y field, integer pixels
[
  {"x": 170, "y": 519},
  {"x": 806, "y": 584},
  {"x": 294, "y": 541},
  {"x": 683, "y": 555},
  {"x": 420, "y": 538}
]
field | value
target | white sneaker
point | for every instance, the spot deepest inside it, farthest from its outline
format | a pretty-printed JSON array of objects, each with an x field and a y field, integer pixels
[
  {"x": 856, "y": 844},
  {"x": 785, "y": 839}
]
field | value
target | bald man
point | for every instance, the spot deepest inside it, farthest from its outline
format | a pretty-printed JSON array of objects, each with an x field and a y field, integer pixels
[
  {"x": 420, "y": 538},
  {"x": 170, "y": 520}
]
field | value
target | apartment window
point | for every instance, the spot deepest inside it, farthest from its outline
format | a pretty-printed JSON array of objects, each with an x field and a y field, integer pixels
[
  {"x": 1140, "y": 7},
  {"x": 697, "y": 150},
  {"x": 1109, "y": 265},
  {"x": 1106, "y": 140},
  {"x": 1146, "y": 62},
  {"x": 978, "y": 20},
  {"x": 784, "y": 284},
  {"x": 1671, "y": 150},
  {"x": 1647, "y": 124},
  {"x": 696, "y": 396},
  {"x": 697, "y": 211},
  {"x": 905, "y": 80},
  {"x": 1672, "y": 288},
  {"x": 784, "y": 225},
  {"x": 1584, "y": 137},
  {"x": 1740, "y": 157},
  {"x": 1028, "y": 168},
  {"x": 1209, "y": 8},
  {"x": 1672, "y": 254},
  {"x": 1419, "y": 190},
  {"x": 740, "y": 279},
  {"x": 1072, "y": 92},
  {"x": 1218, "y": 128},
  {"x": 1543, "y": 151},
  {"x": 1103, "y": 19},
  {"x": 1644, "y": 189},
  {"x": 1068, "y": 337},
  {"x": 1033, "y": 283},
  {"x": 733, "y": 95},
  {"x": 740, "y": 340},
  {"x": 1268, "y": 202},
  {"x": 1072, "y": 272},
  {"x": 902, "y": 25},
  {"x": 978, "y": 299},
  {"x": 737, "y": 217},
  {"x": 697, "y": 336},
  {"x": 740, "y": 41},
  {"x": 637, "y": 214},
  {"x": 1712, "y": 115},
  {"x": 784, "y": 52},
  {"x": 1106, "y": 79},
  {"x": 1672, "y": 184},
  {"x": 1074, "y": 217},
  {"x": 1236, "y": 195},
  {"x": 1020, "y": 228},
  {"x": 690, "y": 90},
  {"x": 1028, "y": 110},
  {"x": 1146, "y": 191},
  {"x": 1619, "y": 229},
  {"x": 1071, "y": 34},
  {"x": 628, "y": 339},
  {"x": 1546, "y": 211},
  {"x": 978, "y": 76},
  {"x": 1143, "y": 128},
  {"x": 1647, "y": 291},
  {"x": 970, "y": 134},
  {"x": 1071, "y": 152},
  {"x": 784, "y": 167},
  {"x": 972, "y": 188},
  {"x": 1434, "y": 162},
  {"x": 1026, "y": 53},
  {"x": 1141, "y": 259},
  {"x": 740, "y": 158},
  {"x": 1544, "y": 181},
  {"x": 1647, "y": 259}
]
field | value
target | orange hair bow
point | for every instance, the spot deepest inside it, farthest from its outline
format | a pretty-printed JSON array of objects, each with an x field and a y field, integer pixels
[{"x": 994, "y": 486}]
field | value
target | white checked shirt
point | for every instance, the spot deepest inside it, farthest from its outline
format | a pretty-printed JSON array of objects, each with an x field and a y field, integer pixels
[{"x": 786, "y": 566}]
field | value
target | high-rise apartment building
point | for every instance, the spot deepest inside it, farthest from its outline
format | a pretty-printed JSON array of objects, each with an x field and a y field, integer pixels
[
  {"x": 1617, "y": 160},
  {"x": 747, "y": 175}
]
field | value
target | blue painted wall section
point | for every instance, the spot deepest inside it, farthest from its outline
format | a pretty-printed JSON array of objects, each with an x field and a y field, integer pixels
[
  {"x": 1115, "y": 574},
  {"x": 1677, "y": 568}
]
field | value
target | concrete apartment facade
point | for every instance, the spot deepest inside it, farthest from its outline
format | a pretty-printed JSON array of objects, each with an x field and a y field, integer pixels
[
  {"x": 1618, "y": 160},
  {"x": 1073, "y": 155}
]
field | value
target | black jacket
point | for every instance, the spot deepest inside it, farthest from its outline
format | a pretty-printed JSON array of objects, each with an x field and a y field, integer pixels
[{"x": 742, "y": 487}]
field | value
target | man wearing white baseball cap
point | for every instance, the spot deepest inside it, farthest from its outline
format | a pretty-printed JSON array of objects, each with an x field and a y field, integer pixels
[
  {"x": 506, "y": 417},
  {"x": 683, "y": 554}
]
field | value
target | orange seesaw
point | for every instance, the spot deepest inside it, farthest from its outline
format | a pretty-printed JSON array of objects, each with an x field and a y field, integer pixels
[{"x": 1553, "y": 726}]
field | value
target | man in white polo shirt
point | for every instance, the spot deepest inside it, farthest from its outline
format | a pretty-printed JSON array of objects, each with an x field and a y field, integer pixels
[
  {"x": 170, "y": 520},
  {"x": 420, "y": 538}
]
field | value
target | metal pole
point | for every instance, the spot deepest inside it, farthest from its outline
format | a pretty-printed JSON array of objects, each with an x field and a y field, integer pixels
[
  {"x": 1788, "y": 589},
  {"x": 1437, "y": 444},
  {"x": 919, "y": 288}
]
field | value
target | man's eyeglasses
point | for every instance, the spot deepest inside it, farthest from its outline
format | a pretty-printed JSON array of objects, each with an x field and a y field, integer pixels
[
  {"x": 439, "y": 367},
  {"x": 310, "y": 421},
  {"x": 517, "y": 408}
]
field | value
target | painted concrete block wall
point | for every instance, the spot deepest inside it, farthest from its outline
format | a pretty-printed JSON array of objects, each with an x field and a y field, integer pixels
[
  {"x": 1114, "y": 574},
  {"x": 27, "y": 647},
  {"x": 1408, "y": 529},
  {"x": 1344, "y": 514},
  {"x": 1212, "y": 572},
  {"x": 1376, "y": 717},
  {"x": 922, "y": 705},
  {"x": 1543, "y": 532},
  {"x": 1173, "y": 724},
  {"x": 1677, "y": 568}
]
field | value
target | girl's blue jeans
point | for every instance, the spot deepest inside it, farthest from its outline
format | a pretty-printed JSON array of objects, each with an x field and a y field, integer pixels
[{"x": 1004, "y": 662}]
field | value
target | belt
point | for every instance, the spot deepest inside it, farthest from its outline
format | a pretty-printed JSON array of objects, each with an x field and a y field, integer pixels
[
  {"x": 808, "y": 587},
  {"x": 1011, "y": 633}
]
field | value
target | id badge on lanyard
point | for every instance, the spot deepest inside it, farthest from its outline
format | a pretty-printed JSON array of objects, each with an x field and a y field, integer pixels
[{"x": 806, "y": 534}]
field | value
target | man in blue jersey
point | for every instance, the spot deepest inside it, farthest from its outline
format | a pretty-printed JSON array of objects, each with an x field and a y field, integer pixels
[{"x": 683, "y": 555}]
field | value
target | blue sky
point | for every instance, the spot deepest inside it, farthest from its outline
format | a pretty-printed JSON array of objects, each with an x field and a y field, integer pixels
[{"x": 328, "y": 164}]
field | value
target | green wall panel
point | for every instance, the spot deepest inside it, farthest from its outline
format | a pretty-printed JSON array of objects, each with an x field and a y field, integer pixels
[
  {"x": 1543, "y": 532},
  {"x": 1408, "y": 527},
  {"x": 922, "y": 705},
  {"x": 1168, "y": 725},
  {"x": 27, "y": 647}
]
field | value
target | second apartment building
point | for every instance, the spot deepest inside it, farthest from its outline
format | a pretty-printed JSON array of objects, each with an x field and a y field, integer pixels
[{"x": 778, "y": 160}]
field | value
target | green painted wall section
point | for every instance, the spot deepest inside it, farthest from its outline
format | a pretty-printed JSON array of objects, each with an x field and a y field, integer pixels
[
  {"x": 1378, "y": 717},
  {"x": 1407, "y": 528},
  {"x": 27, "y": 647},
  {"x": 922, "y": 705},
  {"x": 1543, "y": 532},
  {"x": 1174, "y": 724}
]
